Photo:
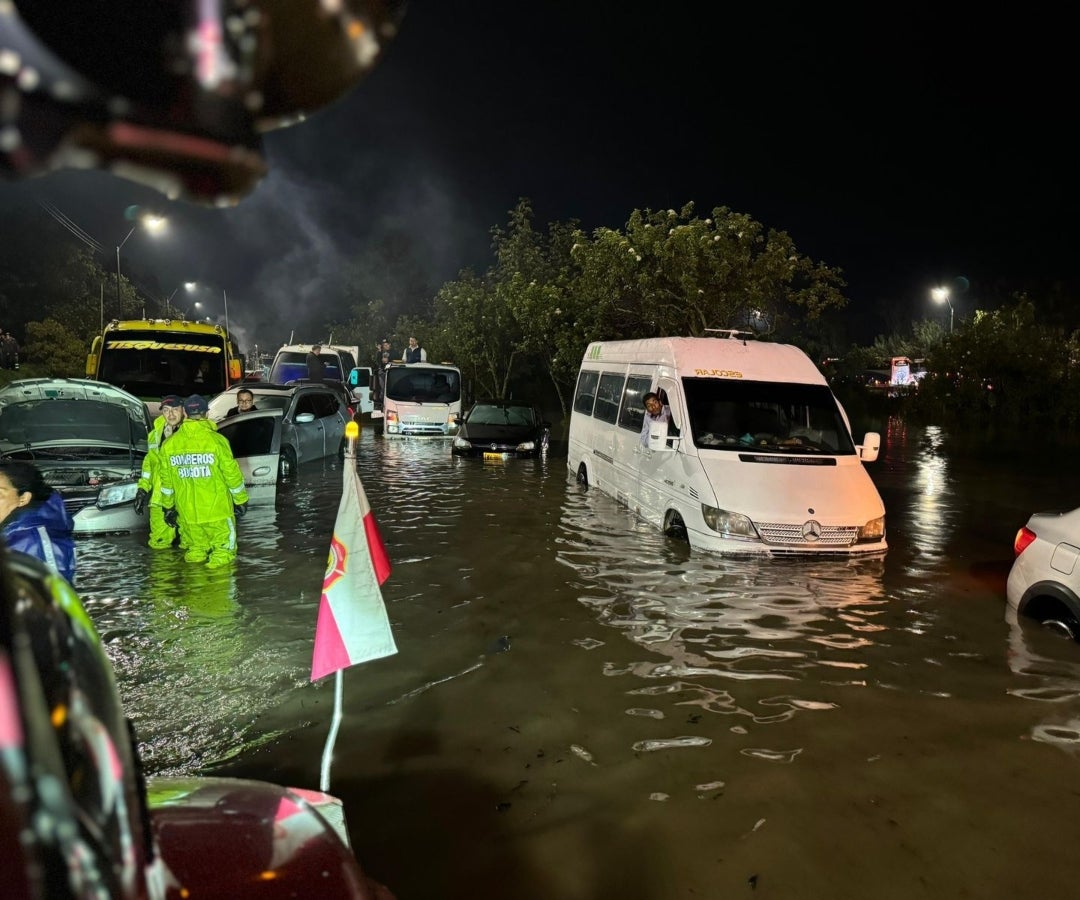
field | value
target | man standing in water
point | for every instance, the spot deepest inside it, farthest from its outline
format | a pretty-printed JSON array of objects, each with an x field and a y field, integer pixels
[
  {"x": 202, "y": 488},
  {"x": 162, "y": 534}
]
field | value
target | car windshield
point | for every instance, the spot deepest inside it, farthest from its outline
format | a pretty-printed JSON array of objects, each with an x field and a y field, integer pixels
[
  {"x": 726, "y": 414},
  {"x": 501, "y": 414},
  {"x": 70, "y": 421}
]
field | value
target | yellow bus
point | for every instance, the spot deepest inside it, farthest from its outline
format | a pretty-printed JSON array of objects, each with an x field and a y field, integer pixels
[{"x": 151, "y": 358}]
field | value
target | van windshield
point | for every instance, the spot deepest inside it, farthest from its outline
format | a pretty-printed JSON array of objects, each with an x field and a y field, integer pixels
[{"x": 765, "y": 416}]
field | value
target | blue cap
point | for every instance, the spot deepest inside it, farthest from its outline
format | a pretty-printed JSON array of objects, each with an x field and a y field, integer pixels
[
  {"x": 196, "y": 405},
  {"x": 172, "y": 400}
]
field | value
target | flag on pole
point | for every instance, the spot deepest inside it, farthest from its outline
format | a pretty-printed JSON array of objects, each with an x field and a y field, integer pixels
[{"x": 353, "y": 626}]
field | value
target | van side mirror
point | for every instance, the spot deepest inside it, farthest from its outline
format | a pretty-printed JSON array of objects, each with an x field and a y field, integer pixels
[
  {"x": 658, "y": 437},
  {"x": 870, "y": 447}
]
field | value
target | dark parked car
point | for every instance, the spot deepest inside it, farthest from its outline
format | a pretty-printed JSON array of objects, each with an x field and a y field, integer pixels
[
  {"x": 502, "y": 429},
  {"x": 291, "y": 424}
]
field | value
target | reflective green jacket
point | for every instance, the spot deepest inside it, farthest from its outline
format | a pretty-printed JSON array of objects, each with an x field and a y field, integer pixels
[{"x": 199, "y": 475}]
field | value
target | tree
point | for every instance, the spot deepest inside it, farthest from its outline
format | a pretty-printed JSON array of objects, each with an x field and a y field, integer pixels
[{"x": 55, "y": 349}]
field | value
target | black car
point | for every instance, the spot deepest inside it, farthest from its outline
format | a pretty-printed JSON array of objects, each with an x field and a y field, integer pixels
[{"x": 502, "y": 429}]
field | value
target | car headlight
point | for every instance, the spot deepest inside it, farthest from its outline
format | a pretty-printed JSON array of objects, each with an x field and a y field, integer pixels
[
  {"x": 872, "y": 531},
  {"x": 461, "y": 444},
  {"x": 729, "y": 524},
  {"x": 526, "y": 445},
  {"x": 117, "y": 494}
]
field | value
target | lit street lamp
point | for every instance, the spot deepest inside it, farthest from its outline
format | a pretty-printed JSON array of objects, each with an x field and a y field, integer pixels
[
  {"x": 941, "y": 295},
  {"x": 153, "y": 224},
  {"x": 195, "y": 305}
]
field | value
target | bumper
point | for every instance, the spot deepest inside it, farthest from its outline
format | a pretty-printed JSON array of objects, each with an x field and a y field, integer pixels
[{"x": 114, "y": 520}]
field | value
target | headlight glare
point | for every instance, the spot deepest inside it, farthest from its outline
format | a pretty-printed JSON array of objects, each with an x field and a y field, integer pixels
[{"x": 461, "y": 444}]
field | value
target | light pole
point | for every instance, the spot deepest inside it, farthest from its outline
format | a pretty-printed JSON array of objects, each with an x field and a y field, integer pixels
[
  {"x": 941, "y": 295},
  {"x": 188, "y": 286},
  {"x": 153, "y": 224}
]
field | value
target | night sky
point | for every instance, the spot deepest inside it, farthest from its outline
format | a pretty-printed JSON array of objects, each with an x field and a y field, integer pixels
[{"x": 906, "y": 148}]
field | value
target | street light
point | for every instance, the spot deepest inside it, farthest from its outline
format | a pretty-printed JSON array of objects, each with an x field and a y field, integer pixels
[
  {"x": 188, "y": 286},
  {"x": 941, "y": 295},
  {"x": 195, "y": 305},
  {"x": 153, "y": 224}
]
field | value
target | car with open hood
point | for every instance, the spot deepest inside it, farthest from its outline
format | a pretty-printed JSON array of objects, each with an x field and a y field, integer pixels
[{"x": 87, "y": 438}]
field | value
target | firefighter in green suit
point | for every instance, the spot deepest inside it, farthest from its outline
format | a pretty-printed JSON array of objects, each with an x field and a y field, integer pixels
[
  {"x": 202, "y": 488},
  {"x": 162, "y": 534}
]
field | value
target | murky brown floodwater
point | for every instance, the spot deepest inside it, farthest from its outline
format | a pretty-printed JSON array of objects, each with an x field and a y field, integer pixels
[{"x": 581, "y": 708}]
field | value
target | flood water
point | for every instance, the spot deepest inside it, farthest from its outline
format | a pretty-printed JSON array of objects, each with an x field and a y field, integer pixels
[{"x": 581, "y": 708}]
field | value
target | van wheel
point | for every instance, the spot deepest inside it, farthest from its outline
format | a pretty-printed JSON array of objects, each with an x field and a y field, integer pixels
[
  {"x": 674, "y": 527},
  {"x": 286, "y": 463},
  {"x": 583, "y": 475}
]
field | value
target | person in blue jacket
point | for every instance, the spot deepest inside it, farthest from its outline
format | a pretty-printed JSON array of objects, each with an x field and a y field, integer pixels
[{"x": 33, "y": 519}]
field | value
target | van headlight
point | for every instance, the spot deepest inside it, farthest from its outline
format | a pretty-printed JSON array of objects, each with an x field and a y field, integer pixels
[
  {"x": 117, "y": 494},
  {"x": 461, "y": 444},
  {"x": 729, "y": 524},
  {"x": 872, "y": 531}
]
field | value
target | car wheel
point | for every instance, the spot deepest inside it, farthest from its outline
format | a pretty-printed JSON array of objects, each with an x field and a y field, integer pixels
[
  {"x": 286, "y": 463},
  {"x": 583, "y": 475},
  {"x": 675, "y": 527}
]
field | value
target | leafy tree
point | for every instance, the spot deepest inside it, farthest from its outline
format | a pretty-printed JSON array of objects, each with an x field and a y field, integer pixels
[{"x": 55, "y": 349}]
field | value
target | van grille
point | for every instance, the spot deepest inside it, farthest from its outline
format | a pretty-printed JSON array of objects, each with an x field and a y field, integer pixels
[{"x": 831, "y": 535}]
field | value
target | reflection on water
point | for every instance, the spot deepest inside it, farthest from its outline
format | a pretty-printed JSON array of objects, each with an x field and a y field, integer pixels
[{"x": 710, "y": 623}]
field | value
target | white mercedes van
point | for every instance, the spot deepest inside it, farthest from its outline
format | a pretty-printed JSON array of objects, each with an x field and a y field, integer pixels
[{"x": 757, "y": 457}]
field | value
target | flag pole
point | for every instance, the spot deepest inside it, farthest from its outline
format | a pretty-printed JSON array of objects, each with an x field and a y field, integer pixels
[
  {"x": 335, "y": 723},
  {"x": 352, "y": 432}
]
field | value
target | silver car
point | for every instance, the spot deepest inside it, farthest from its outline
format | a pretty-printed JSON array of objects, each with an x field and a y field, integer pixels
[
  {"x": 1044, "y": 582},
  {"x": 290, "y": 425},
  {"x": 87, "y": 438}
]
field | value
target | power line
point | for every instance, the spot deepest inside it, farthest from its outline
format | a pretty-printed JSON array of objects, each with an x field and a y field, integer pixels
[{"x": 71, "y": 226}]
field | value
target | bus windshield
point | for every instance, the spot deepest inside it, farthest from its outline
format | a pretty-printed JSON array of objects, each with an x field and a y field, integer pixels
[{"x": 153, "y": 363}]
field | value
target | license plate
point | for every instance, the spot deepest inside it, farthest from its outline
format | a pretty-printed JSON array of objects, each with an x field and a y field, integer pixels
[{"x": 499, "y": 456}]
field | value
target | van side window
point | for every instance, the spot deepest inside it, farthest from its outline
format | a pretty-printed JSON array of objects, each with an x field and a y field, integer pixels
[
  {"x": 632, "y": 411},
  {"x": 586, "y": 392},
  {"x": 608, "y": 394}
]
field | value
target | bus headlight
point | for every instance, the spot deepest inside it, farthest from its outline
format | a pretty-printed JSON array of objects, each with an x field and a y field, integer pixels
[
  {"x": 116, "y": 494},
  {"x": 872, "y": 531},
  {"x": 729, "y": 524}
]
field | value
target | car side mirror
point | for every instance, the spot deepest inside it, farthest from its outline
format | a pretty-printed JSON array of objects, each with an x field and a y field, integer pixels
[
  {"x": 354, "y": 378},
  {"x": 304, "y": 418}
]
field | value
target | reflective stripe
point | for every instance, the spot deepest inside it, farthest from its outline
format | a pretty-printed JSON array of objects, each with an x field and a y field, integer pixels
[
  {"x": 168, "y": 491},
  {"x": 237, "y": 490},
  {"x": 145, "y": 474},
  {"x": 47, "y": 548}
]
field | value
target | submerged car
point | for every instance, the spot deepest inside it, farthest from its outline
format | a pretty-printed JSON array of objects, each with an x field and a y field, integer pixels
[
  {"x": 1044, "y": 582},
  {"x": 87, "y": 438},
  {"x": 502, "y": 429},
  {"x": 290, "y": 425}
]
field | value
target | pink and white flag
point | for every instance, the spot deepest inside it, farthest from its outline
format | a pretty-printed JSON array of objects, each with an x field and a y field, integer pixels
[{"x": 353, "y": 626}]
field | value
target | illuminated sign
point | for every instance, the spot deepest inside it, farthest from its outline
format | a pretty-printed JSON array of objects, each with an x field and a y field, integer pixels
[{"x": 157, "y": 345}]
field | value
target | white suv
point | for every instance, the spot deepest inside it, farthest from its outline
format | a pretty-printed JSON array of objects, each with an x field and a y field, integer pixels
[{"x": 1044, "y": 582}]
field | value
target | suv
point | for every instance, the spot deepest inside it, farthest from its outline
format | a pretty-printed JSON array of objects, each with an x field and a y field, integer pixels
[
  {"x": 1044, "y": 582},
  {"x": 291, "y": 424}
]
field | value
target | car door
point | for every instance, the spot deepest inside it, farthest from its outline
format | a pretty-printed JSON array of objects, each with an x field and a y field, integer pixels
[
  {"x": 255, "y": 438},
  {"x": 307, "y": 426},
  {"x": 331, "y": 412}
]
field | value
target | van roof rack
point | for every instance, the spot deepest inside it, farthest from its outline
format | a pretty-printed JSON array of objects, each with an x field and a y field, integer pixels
[{"x": 734, "y": 334}]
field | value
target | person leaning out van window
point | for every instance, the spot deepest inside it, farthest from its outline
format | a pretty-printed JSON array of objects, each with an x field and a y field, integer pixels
[{"x": 33, "y": 519}]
